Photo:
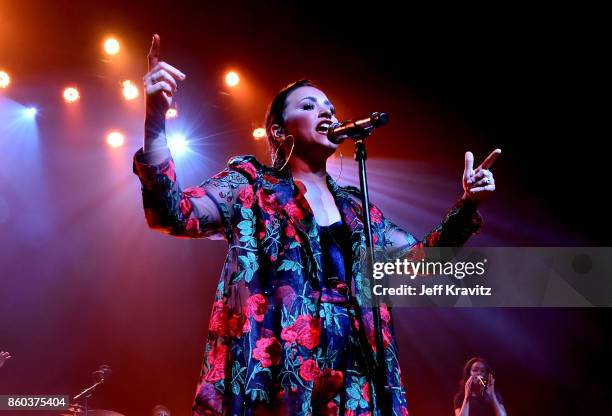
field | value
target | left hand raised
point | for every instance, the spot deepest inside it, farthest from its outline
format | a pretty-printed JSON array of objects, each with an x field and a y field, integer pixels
[
  {"x": 491, "y": 387},
  {"x": 478, "y": 184}
]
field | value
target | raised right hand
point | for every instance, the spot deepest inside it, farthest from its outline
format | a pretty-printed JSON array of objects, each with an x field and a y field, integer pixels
[
  {"x": 160, "y": 82},
  {"x": 468, "y": 386},
  {"x": 4, "y": 356}
]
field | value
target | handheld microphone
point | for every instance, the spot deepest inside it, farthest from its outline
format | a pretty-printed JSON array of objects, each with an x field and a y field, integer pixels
[
  {"x": 484, "y": 384},
  {"x": 356, "y": 129}
]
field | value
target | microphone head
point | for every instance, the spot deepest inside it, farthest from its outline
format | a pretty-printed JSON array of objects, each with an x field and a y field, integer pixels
[
  {"x": 378, "y": 119},
  {"x": 331, "y": 133}
]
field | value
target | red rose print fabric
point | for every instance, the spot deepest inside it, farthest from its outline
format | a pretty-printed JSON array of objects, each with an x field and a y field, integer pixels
[{"x": 290, "y": 330}]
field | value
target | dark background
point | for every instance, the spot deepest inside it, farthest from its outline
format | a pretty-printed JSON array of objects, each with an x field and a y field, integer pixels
[{"x": 84, "y": 282}]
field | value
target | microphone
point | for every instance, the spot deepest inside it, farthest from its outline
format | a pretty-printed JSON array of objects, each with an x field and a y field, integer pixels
[
  {"x": 356, "y": 129},
  {"x": 484, "y": 384}
]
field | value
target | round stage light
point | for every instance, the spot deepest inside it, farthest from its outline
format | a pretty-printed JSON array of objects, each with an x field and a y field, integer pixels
[
  {"x": 259, "y": 133},
  {"x": 177, "y": 144},
  {"x": 5, "y": 79},
  {"x": 232, "y": 79},
  {"x": 111, "y": 46},
  {"x": 115, "y": 139},
  {"x": 130, "y": 91},
  {"x": 71, "y": 94},
  {"x": 172, "y": 113},
  {"x": 31, "y": 112}
]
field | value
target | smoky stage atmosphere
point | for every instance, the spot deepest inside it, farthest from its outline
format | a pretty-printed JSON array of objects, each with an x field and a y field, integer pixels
[{"x": 85, "y": 282}]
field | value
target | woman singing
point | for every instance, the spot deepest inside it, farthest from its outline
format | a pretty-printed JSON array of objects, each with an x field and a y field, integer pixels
[
  {"x": 477, "y": 395},
  {"x": 291, "y": 327}
]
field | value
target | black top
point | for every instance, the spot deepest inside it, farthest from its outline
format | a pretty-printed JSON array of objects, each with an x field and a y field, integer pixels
[
  {"x": 479, "y": 405},
  {"x": 335, "y": 248}
]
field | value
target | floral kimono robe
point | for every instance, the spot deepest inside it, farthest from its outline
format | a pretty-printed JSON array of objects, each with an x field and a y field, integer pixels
[{"x": 265, "y": 353}]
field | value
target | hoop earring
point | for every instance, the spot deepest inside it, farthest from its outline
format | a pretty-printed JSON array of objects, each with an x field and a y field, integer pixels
[
  {"x": 288, "y": 157},
  {"x": 275, "y": 156},
  {"x": 340, "y": 174}
]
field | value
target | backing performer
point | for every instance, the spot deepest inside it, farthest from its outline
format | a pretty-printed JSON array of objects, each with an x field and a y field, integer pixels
[{"x": 477, "y": 395}]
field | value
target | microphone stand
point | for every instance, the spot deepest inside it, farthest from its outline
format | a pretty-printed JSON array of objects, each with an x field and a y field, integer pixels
[
  {"x": 87, "y": 393},
  {"x": 381, "y": 370}
]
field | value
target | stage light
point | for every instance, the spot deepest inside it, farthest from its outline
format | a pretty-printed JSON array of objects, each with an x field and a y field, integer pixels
[
  {"x": 31, "y": 112},
  {"x": 5, "y": 79},
  {"x": 71, "y": 94},
  {"x": 172, "y": 113},
  {"x": 111, "y": 46},
  {"x": 177, "y": 144},
  {"x": 259, "y": 133},
  {"x": 115, "y": 139},
  {"x": 130, "y": 91},
  {"x": 232, "y": 79}
]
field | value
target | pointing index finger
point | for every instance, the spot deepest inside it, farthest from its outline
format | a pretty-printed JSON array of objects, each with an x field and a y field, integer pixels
[
  {"x": 490, "y": 159},
  {"x": 469, "y": 165},
  {"x": 154, "y": 52}
]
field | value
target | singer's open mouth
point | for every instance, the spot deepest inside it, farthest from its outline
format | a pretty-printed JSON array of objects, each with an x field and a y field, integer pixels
[{"x": 323, "y": 127}]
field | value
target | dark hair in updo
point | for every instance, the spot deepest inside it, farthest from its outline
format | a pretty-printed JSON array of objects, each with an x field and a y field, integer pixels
[{"x": 274, "y": 115}]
